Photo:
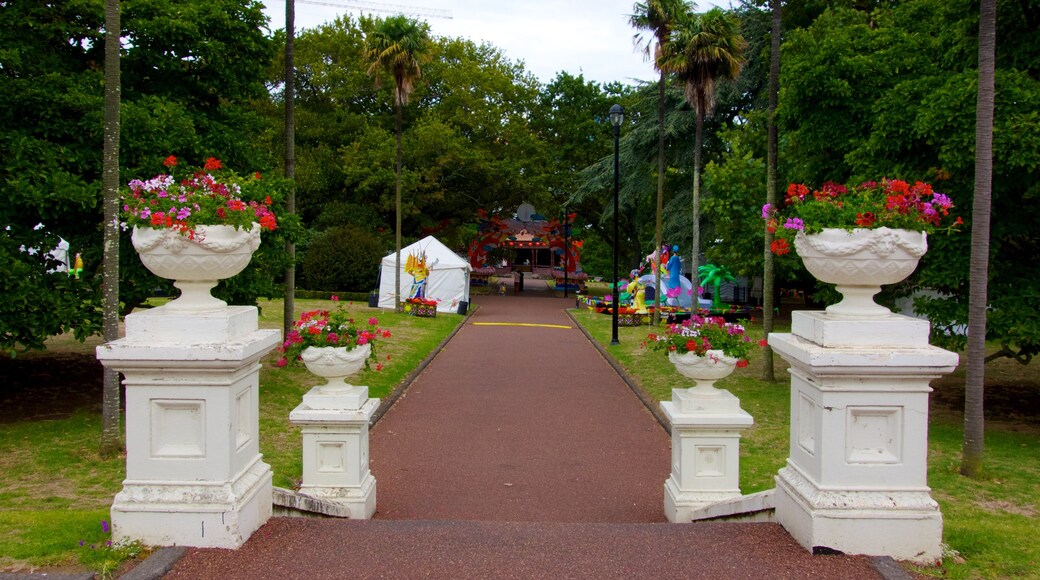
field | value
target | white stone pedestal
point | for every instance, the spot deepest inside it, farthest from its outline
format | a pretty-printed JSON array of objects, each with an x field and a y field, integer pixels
[
  {"x": 705, "y": 451},
  {"x": 335, "y": 448},
  {"x": 194, "y": 475},
  {"x": 857, "y": 472}
]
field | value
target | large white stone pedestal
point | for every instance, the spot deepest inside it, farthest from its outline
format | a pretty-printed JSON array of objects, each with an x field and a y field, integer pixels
[
  {"x": 194, "y": 475},
  {"x": 335, "y": 448},
  {"x": 705, "y": 451},
  {"x": 857, "y": 471}
]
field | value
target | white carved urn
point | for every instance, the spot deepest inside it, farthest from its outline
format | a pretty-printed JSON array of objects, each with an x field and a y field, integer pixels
[
  {"x": 335, "y": 364},
  {"x": 704, "y": 369},
  {"x": 196, "y": 264},
  {"x": 858, "y": 262}
]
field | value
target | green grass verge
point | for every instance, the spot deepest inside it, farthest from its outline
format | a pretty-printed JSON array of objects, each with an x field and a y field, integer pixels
[
  {"x": 58, "y": 489},
  {"x": 990, "y": 523}
]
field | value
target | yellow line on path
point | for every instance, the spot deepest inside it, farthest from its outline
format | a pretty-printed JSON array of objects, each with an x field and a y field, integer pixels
[{"x": 521, "y": 324}]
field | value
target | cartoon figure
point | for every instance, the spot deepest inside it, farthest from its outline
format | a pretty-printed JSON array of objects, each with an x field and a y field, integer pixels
[
  {"x": 417, "y": 267},
  {"x": 638, "y": 292},
  {"x": 77, "y": 266},
  {"x": 672, "y": 285}
]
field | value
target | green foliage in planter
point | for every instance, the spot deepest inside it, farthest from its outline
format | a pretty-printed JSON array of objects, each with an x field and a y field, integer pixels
[{"x": 344, "y": 258}]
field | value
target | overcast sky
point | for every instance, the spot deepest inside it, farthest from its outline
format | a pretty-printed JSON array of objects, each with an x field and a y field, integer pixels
[{"x": 591, "y": 37}]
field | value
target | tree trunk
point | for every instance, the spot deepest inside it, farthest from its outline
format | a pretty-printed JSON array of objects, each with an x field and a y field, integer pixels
[
  {"x": 289, "y": 303},
  {"x": 659, "y": 227},
  {"x": 768, "y": 273},
  {"x": 696, "y": 251},
  {"x": 111, "y": 431},
  {"x": 397, "y": 205},
  {"x": 974, "y": 387}
]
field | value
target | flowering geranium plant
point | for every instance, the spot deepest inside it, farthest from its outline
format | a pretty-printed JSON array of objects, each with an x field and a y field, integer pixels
[
  {"x": 889, "y": 203},
  {"x": 701, "y": 334},
  {"x": 320, "y": 328},
  {"x": 210, "y": 196}
]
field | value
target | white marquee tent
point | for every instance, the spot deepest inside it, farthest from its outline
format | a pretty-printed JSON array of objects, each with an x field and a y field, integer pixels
[{"x": 448, "y": 282}]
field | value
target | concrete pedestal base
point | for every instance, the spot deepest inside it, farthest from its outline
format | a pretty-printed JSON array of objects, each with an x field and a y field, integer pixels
[
  {"x": 705, "y": 452},
  {"x": 335, "y": 453},
  {"x": 905, "y": 525},
  {"x": 857, "y": 469},
  {"x": 202, "y": 514},
  {"x": 194, "y": 475}
]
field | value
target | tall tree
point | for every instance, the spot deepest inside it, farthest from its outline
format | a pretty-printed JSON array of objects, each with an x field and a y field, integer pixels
[
  {"x": 768, "y": 270},
  {"x": 398, "y": 46},
  {"x": 658, "y": 17},
  {"x": 289, "y": 302},
  {"x": 974, "y": 423},
  {"x": 704, "y": 49},
  {"x": 110, "y": 424}
]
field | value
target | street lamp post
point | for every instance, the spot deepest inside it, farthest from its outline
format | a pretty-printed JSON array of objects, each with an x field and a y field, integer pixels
[
  {"x": 617, "y": 116},
  {"x": 566, "y": 253}
]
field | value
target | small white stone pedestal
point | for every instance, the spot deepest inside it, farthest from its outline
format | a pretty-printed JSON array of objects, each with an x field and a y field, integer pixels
[
  {"x": 857, "y": 472},
  {"x": 705, "y": 451},
  {"x": 194, "y": 475},
  {"x": 335, "y": 448}
]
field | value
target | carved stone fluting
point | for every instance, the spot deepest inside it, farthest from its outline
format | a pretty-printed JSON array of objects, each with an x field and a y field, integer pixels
[
  {"x": 856, "y": 474},
  {"x": 198, "y": 262},
  {"x": 194, "y": 474},
  {"x": 859, "y": 262},
  {"x": 335, "y": 364}
]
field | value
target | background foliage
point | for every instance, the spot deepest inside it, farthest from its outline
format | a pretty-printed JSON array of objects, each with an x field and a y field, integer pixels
[{"x": 869, "y": 89}]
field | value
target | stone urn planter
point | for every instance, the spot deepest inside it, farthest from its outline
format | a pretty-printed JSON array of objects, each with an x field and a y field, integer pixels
[
  {"x": 704, "y": 370},
  {"x": 335, "y": 364},
  {"x": 196, "y": 264},
  {"x": 858, "y": 262}
]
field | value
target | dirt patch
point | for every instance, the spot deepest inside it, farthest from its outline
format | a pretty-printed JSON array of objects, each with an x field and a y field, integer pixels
[
  {"x": 1008, "y": 507},
  {"x": 1011, "y": 397},
  {"x": 49, "y": 385}
]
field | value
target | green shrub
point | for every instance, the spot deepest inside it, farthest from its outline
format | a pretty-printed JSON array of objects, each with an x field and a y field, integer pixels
[{"x": 342, "y": 259}]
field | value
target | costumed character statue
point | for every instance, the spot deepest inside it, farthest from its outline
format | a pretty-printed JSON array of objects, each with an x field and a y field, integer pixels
[
  {"x": 673, "y": 283},
  {"x": 77, "y": 266},
  {"x": 419, "y": 270},
  {"x": 638, "y": 292}
]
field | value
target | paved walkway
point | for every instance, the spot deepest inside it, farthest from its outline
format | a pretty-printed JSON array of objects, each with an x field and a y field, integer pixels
[{"x": 518, "y": 453}]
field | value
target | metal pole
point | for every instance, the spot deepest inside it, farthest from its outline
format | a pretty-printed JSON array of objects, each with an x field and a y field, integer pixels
[
  {"x": 617, "y": 288},
  {"x": 566, "y": 251}
]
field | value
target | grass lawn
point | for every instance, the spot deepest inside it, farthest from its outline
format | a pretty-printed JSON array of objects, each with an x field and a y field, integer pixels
[
  {"x": 990, "y": 523},
  {"x": 57, "y": 488}
]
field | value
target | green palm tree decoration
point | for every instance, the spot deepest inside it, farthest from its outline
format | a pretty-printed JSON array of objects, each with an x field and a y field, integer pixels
[
  {"x": 714, "y": 276},
  {"x": 657, "y": 17},
  {"x": 398, "y": 46},
  {"x": 704, "y": 48}
]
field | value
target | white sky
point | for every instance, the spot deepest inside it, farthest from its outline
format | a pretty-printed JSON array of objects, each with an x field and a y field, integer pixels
[{"x": 591, "y": 37}]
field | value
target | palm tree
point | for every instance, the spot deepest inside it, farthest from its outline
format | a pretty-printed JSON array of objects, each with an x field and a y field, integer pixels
[
  {"x": 768, "y": 276},
  {"x": 974, "y": 426},
  {"x": 657, "y": 17},
  {"x": 398, "y": 46},
  {"x": 110, "y": 429},
  {"x": 289, "y": 304},
  {"x": 714, "y": 276},
  {"x": 704, "y": 49}
]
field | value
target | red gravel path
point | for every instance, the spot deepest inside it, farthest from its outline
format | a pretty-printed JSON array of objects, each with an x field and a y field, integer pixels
[{"x": 518, "y": 453}]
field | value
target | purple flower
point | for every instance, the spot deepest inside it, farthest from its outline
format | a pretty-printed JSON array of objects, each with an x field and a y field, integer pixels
[
  {"x": 794, "y": 224},
  {"x": 104, "y": 526},
  {"x": 766, "y": 210}
]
